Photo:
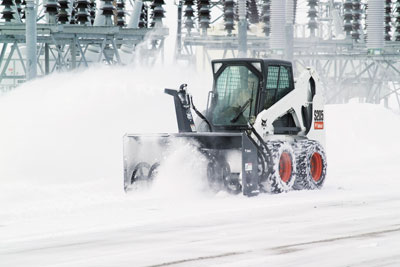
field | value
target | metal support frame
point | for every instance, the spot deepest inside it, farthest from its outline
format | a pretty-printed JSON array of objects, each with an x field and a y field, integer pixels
[
  {"x": 30, "y": 39},
  {"x": 370, "y": 79},
  {"x": 65, "y": 47}
]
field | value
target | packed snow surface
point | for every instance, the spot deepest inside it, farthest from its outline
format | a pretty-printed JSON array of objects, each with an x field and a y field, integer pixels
[{"x": 61, "y": 184}]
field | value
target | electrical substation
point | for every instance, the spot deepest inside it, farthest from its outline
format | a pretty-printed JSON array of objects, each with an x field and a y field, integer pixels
[{"x": 353, "y": 44}]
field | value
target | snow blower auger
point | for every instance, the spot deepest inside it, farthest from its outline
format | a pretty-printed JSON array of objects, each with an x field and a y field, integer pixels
[{"x": 261, "y": 132}]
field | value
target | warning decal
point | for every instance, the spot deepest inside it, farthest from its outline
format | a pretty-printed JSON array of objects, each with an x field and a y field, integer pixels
[
  {"x": 318, "y": 125},
  {"x": 248, "y": 167}
]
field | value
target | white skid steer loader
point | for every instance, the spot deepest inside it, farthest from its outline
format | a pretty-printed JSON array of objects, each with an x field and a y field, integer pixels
[{"x": 257, "y": 112}]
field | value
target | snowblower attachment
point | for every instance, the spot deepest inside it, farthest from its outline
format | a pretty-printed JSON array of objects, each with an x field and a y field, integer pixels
[
  {"x": 225, "y": 152},
  {"x": 232, "y": 157}
]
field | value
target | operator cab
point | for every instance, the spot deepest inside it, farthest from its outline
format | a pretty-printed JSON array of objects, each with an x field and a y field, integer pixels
[{"x": 243, "y": 88}]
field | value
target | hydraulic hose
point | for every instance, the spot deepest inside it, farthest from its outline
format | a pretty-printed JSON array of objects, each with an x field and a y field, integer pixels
[{"x": 201, "y": 116}]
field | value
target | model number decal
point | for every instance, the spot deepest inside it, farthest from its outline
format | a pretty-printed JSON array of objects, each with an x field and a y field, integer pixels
[
  {"x": 318, "y": 115},
  {"x": 318, "y": 119}
]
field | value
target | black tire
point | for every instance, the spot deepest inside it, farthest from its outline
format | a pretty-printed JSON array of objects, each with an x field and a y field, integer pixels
[
  {"x": 281, "y": 167},
  {"x": 312, "y": 165}
]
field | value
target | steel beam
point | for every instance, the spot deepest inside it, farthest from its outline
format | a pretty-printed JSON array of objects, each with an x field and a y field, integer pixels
[{"x": 31, "y": 39}]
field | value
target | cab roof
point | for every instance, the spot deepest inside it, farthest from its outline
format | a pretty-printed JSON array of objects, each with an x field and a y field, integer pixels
[{"x": 263, "y": 61}]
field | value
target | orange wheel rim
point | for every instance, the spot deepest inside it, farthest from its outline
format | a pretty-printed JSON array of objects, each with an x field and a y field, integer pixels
[
  {"x": 285, "y": 167},
  {"x": 316, "y": 166}
]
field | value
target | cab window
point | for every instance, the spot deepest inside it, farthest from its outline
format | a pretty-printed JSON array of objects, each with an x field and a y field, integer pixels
[
  {"x": 278, "y": 84},
  {"x": 235, "y": 86}
]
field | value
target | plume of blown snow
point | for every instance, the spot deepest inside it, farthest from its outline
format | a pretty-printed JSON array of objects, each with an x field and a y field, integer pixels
[
  {"x": 69, "y": 126},
  {"x": 182, "y": 173}
]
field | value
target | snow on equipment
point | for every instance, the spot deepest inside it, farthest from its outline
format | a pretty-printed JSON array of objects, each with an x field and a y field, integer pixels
[{"x": 262, "y": 131}]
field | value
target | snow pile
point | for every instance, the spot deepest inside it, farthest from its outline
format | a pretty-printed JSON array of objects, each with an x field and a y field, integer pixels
[
  {"x": 362, "y": 147},
  {"x": 367, "y": 131}
]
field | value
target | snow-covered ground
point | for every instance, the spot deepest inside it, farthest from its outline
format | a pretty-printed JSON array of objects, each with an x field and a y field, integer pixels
[{"x": 61, "y": 185}]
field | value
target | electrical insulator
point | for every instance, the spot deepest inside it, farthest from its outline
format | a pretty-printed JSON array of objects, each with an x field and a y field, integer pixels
[
  {"x": 236, "y": 16},
  {"x": 108, "y": 11},
  {"x": 82, "y": 14},
  {"x": 157, "y": 12},
  {"x": 204, "y": 14},
  {"x": 63, "y": 15},
  {"x": 144, "y": 15},
  {"x": 388, "y": 19},
  {"x": 73, "y": 13},
  {"x": 189, "y": 14},
  {"x": 92, "y": 11},
  {"x": 397, "y": 22},
  {"x": 366, "y": 21},
  {"x": 312, "y": 15},
  {"x": 51, "y": 7},
  {"x": 375, "y": 23},
  {"x": 266, "y": 16},
  {"x": 253, "y": 12},
  {"x": 23, "y": 4},
  {"x": 348, "y": 17},
  {"x": 229, "y": 15},
  {"x": 8, "y": 12},
  {"x": 121, "y": 13},
  {"x": 356, "y": 19}
]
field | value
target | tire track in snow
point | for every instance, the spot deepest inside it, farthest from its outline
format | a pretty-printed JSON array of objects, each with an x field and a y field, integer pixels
[
  {"x": 201, "y": 258},
  {"x": 282, "y": 249}
]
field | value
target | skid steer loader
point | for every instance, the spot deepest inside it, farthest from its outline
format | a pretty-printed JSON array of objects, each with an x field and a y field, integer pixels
[{"x": 262, "y": 131}]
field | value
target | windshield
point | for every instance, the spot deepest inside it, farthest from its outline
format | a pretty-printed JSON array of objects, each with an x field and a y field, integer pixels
[{"x": 236, "y": 91}]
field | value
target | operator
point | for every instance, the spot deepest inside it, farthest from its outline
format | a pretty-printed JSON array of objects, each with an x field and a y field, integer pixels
[
  {"x": 248, "y": 92},
  {"x": 244, "y": 94},
  {"x": 241, "y": 106}
]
